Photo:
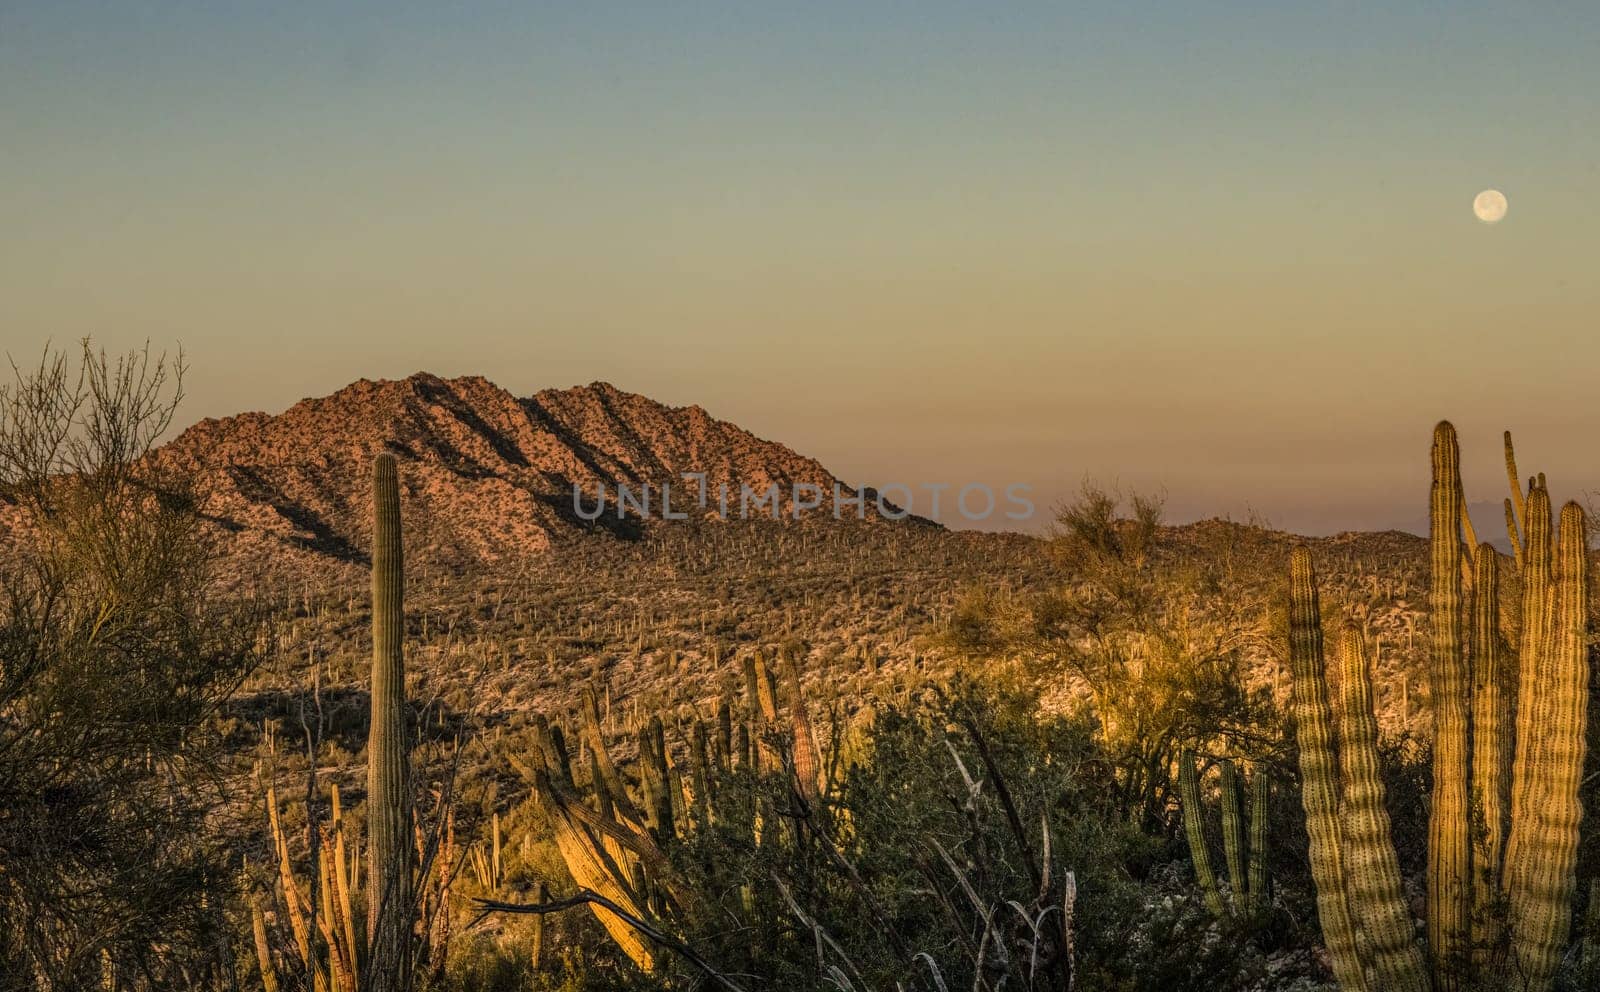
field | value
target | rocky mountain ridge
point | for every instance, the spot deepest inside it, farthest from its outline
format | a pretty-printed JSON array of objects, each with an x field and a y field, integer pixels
[{"x": 487, "y": 473}]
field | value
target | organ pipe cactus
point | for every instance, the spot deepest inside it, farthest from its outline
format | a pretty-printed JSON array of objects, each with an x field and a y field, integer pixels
[
  {"x": 656, "y": 779},
  {"x": 1491, "y": 720},
  {"x": 1247, "y": 883},
  {"x": 1194, "y": 827},
  {"x": 1449, "y": 848},
  {"x": 617, "y": 845},
  {"x": 1516, "y": 504},
  {"x": 389, "y": 828},
  {"x": 1541, "y": 904},
  {"x": 1535, "y": 807},
  {"x": 1232, "y": 828},
  {"x": 318, "y": 908},
  {"x": 607, "y": 781},
  {"x": 1319, "y": 772},
  {"x": 1260, "y": 802},
  {"x": 724, "y": 738},
  {"x": 1371, "y": 866}
]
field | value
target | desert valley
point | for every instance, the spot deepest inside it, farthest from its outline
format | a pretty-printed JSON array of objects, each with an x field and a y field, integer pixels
[{"x": 633, "y": 751}]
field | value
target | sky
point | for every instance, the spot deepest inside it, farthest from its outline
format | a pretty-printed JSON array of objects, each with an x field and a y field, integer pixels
[{"x": 1223, "y": 251}]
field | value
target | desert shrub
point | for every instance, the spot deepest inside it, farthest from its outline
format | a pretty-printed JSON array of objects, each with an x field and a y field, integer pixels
[
  {"x": 115, "y": 652},
  {"x": 1147, "y": 644},
  {"x": 938, "y": 823}
]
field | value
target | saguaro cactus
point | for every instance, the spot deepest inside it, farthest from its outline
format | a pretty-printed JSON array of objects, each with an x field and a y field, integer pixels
[
  {"x": 1469, "y": 878},
  {"x": 389, "y": 831}
]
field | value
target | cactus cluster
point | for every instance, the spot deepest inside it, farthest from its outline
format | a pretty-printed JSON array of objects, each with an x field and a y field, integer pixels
[
  {"x": 1247, "y": 870},
  {"x": 330, "y": 948},
  {"x": 324, "y": 908},
  {"x": 615, "y": 842},
  {"x": 1503, "y": 825}
]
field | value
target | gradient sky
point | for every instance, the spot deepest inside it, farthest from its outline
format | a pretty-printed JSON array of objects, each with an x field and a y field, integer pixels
[{"x": 1222, "y": 249}]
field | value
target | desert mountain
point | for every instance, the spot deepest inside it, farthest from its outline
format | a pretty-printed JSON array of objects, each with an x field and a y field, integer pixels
[{"x": 488, "y": 474}]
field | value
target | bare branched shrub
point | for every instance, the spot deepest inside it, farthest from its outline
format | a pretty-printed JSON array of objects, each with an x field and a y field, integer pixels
[{"x": 113, "y": 655}]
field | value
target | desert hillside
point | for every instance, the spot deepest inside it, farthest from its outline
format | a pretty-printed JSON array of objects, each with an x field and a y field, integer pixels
[
  {"x": 515, "y": 602},
  {"x": 487, "y": 474}
]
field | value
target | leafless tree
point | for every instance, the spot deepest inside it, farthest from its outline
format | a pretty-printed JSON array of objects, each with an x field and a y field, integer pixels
[{"x": 114, "y": 653}]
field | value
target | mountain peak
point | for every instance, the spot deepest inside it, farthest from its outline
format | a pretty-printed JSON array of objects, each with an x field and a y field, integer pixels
[{"x": 489, "y": 474}]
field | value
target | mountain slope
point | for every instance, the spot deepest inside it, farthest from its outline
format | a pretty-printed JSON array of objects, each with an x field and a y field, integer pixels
[{"x": 488, "y": 475}]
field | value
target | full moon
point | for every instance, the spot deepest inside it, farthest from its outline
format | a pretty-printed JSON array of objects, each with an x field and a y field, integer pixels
[{"x": 1490, "y": 206}]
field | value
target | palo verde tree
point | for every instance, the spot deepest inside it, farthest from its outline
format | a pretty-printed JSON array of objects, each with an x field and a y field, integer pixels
[{"x": 1150, "y": 639}]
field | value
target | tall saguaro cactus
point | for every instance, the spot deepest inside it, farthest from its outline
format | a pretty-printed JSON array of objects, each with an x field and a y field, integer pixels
[
  {"x": 1471, "y": 878},
  {"x": 389, "y": 830}
]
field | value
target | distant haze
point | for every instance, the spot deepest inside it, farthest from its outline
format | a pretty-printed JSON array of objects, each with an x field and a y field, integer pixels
[{"x": 1224, "y": 252}]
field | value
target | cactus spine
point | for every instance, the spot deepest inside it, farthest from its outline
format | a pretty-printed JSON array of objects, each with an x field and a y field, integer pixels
[
  {"x": 388, "y": 807},
  {"x": 1469, "y": 878}
]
